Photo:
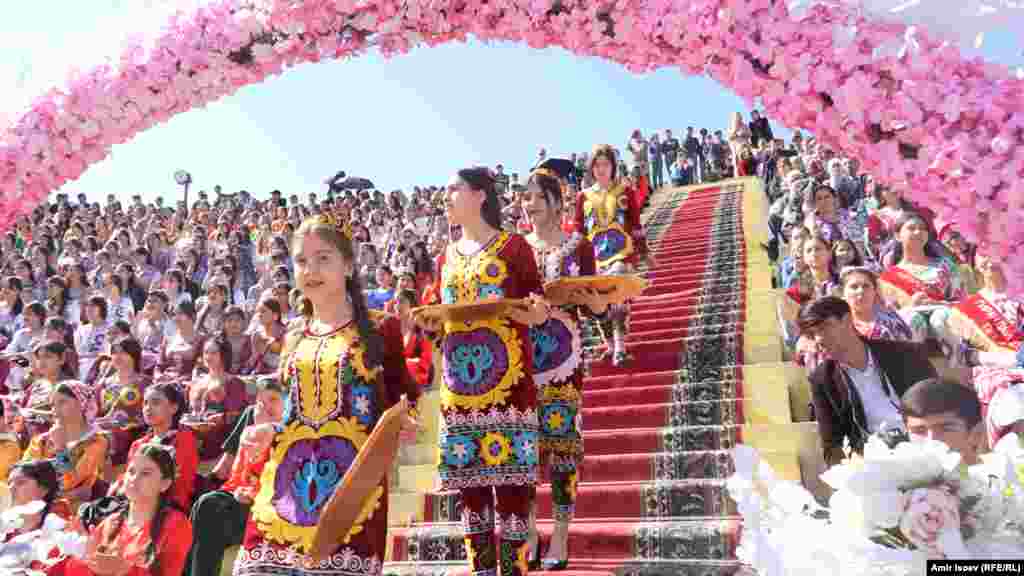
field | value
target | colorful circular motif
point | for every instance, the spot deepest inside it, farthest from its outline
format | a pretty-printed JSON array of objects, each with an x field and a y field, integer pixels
[
  {"x": 608, "y": 243},
  {"x": 496, "y": 449},
  {"x": 552, "y": 344},
  {"x": 525, "y": 446},
  {"x": 459, "y": 450},
  {"x": 307, "y": 476},
  {"x": 556, "y": 419},
  {"x": 490, "y": 291},
  {"x": 475, "y": 362}
]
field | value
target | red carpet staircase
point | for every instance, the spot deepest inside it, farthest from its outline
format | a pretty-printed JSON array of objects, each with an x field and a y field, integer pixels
[{"x": 651, "y": 500}]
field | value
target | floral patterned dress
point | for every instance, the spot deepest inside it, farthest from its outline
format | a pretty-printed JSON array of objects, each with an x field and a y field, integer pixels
[
  {"x": 489, "y": 428},
  {"x": 558, "y": 373},
  {"x": 335, "y": 401},
  {"x": 610, "y": 219},
  {"x": 938, "y": 280},
  {"x": 120, "y": 413}
]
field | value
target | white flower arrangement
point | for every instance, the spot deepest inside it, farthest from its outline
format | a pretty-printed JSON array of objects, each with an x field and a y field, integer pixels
[
  {"x": 18, "y": 555},
  {"x": 892, "y": 509}
]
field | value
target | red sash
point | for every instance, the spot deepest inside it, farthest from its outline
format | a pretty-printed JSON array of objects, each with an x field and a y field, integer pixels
[
  {"x": 908, "y": 283},
  {"x": 990, "y": 322}
]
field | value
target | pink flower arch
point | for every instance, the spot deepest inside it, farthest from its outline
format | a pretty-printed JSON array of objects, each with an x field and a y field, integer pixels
[{"x": 910, "y": 106}]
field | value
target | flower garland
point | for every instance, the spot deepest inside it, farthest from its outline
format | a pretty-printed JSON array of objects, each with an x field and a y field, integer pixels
[
  {"x": 911, "y": 107},
  {"x": 893, "y": 508}
]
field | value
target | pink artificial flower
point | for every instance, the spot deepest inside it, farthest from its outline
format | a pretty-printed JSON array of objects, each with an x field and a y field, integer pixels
[{"x": 928, "y": 513}]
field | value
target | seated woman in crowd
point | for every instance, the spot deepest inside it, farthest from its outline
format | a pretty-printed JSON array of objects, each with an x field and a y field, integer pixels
[
  {"x": 121, "y": 394},
  {"x": 78, "y": 448},
  {"x": 16, "y": 355},
  {"x": 10, "y": 446},
  {"x": 150, "y": 537},
  {"x": 175, "y": 288},
  {"x": 819, "y": 280},
  {"x": 241, "y": 343},
  {"x": 34, "y": 481},
  {"x": 91, "y": 338},
  {"x": 845, "y": 254},
  {"x": 211, "y": 317},
  {"x": 119, "y": 305},
  {"x": 884, "y": 222},
  {"x": 11, "y": 306},
  {"x": 220, "y": 516},
  {"x": 267, "y": 338},
  {"x": 49, "y": 365},
  {"x": 58, "y": 303},
  {"x": 103, "y": 368},
  {"x": 920, "y": 285},
  {"x": 152, "y": 328},
  {"x": 827, "y": 218},
  {"x": 792, "y": 266},
  {"x": 418, "y": 352},
  {"x": 179, "y": 353},
  {"x": 162, "y": 410},
  {"x": 962, "y": 254},
  {"x": 215, "y": 399},
  {"x": 871, "y": 318}
]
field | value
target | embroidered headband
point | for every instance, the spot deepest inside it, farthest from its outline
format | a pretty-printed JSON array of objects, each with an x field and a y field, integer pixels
[{"x": 329, "y": 219}]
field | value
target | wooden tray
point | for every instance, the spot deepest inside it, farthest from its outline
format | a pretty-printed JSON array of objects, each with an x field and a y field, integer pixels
[
  {"x": 616, "y": 289},
  {"x": 467, "y": 312},
  {"x": 361, "y": 479}
]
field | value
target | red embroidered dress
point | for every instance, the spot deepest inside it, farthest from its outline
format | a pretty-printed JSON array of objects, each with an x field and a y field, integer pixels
[
  {"x": 610, "y": 219},
  {"x": 334, "y": 403},
  {"x": 558, "y": 372},
  {"x": 489, "y": 429}
]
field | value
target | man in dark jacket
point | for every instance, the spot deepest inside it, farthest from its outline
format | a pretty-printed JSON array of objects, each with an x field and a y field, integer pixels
[{"x": 856, "y": 392}]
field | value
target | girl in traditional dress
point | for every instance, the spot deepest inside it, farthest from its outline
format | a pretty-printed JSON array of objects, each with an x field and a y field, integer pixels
[
  {"x": 817, "y": 281},
  {"x": 871, "y": 318},
  {"x": 77, "y": 446},
  {"x": 489, "y": 429},
  {"x": 35, "y": 481},
  {"x": 152, "y": 328},
  {"x": 343, "y": 370},
  {"x": 179, "y": 353},
  {"x": 241, "y": 343},
  {"x": 215, "y": 399},
  {"x": 121, "y": 397},
  {"x": 20, "y": 347},
  {"x": 558, "y": 356},
  {"x": 267, "y": 339},
  {"x": 608, "y": 215},
  {"x": 920, "y": 285},
  {"x": 162, "y": 410},
  {"x": 91, "y": 338},
  {"x": 990, "y": 323},
  {"x": 150, "y": 537}
]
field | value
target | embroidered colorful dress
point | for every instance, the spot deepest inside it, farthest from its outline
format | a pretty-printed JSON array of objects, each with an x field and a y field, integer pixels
[
  {"x": 990, "y": 323},
  {"x": 488, "y": 429},
  {"x": 938, "y": 280},
  {"x": 334, "y": 403},
  {"x": 488, "y": 398},
  {"x": 120, "y": 413},
  {"x": 80, "y": 464},
  {"x": 610, "y": 219},
  {"x": 887, "y": 325},
  {"x": 558, "y": 373}
]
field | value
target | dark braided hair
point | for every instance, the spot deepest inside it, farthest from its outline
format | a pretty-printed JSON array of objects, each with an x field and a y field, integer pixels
[
  {"x": 45, "y": 474},
  {"x": 163, "y": 457}
]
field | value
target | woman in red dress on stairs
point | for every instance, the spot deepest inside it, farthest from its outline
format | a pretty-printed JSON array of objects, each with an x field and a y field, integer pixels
[
  {"x": 489, "y": 430},
  {"x": 608, "y": 215},
  {"x": 558, "y": 357}
]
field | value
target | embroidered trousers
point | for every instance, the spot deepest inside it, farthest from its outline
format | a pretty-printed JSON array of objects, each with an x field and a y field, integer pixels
[{"x": 485, "y": 552}]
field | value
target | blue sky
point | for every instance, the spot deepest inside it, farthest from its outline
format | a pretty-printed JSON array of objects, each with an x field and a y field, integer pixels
[{"x": 411, "y": 120}]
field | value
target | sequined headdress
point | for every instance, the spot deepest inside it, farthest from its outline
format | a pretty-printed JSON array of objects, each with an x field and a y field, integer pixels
[{"x": 329, "y": 219}]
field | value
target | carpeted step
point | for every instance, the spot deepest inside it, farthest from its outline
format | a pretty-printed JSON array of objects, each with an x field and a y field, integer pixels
[
  {"x": 641, "y": 379},
  {"x": 648, "y": 466},
  {"x": 676, "y": 392},
  {"x": 638, "y": 440},
  {"x": 700, "y": 413},
  {"x": 615, "y": 501},
  {"x": 590, "y": 540}
]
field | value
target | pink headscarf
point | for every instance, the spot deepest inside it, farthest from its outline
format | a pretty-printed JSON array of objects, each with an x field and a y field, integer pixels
[{"x": 86, "y": 396}]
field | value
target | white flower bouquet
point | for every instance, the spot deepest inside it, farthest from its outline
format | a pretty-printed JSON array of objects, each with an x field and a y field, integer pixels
[
  {"x": 24, "y": 552},
  {"x": 892, "y": 509}
]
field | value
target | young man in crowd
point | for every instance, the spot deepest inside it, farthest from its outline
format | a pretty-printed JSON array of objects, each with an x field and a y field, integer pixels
[
  {"x": 857, "y": 390},
  {"x": 946, "y": 411}
]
